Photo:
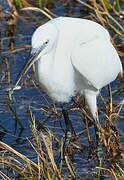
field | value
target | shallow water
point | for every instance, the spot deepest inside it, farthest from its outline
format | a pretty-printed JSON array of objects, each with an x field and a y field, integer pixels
[{"x": 15, "y": 126}]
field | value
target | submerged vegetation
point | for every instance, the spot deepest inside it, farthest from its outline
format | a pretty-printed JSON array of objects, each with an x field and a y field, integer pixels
[{"x": 46, "y": 145}]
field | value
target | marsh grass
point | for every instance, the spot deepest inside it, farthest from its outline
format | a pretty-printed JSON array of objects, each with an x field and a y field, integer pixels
[{"x": 49, "y": 149}]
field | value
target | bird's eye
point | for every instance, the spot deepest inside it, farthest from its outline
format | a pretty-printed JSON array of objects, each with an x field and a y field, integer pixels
[{"x": 46, "y": 42}]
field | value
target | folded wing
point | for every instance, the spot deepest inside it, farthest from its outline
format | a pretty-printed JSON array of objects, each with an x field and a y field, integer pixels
[{"x": 97, "y": 61}]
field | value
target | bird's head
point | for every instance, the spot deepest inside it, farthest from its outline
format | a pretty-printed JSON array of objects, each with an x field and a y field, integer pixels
[{"x": 43, "y": 40}]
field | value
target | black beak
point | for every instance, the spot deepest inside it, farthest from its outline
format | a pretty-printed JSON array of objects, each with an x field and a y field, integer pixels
[{"x": 28, "y": 65}]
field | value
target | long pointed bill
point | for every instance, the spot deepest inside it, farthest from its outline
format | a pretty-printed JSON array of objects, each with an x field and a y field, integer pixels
[{"x": 27, "y": 66}]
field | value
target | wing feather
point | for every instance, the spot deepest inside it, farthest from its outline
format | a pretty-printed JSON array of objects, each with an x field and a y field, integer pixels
[{"x": 97, "y": 61}]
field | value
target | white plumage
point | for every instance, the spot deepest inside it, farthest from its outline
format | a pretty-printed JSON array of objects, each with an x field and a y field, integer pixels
[{"x": 77, "y": 57}]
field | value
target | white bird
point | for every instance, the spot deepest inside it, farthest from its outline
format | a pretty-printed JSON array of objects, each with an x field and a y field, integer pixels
[{"x": 71, "y": 56}]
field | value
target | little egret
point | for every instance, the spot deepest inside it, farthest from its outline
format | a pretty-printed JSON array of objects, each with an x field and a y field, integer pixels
[{"x": 73, "y": 55}]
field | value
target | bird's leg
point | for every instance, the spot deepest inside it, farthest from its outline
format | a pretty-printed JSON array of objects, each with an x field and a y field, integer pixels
[
  {"x": 97, "y": 134},
  {"x": 68, "y": 123},
  {"x": 99, "y": 147},
  {"x": 90, "y": 97}
]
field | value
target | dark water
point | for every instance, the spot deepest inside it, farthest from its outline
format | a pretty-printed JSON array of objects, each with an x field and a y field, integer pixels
[{"x": 15, "y": 126}]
